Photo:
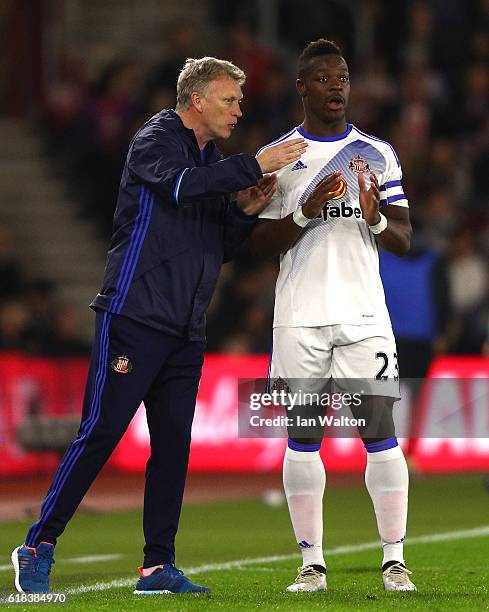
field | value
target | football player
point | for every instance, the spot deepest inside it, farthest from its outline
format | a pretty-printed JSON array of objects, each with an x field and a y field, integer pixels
[{"x": 331, "y": 210}]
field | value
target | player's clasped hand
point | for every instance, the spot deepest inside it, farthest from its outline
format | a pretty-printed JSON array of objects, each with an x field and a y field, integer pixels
[
  {"x": 280, "y": 155},
  {"x": 319, "y": 197},
  {"x": 369, "y": 199}
]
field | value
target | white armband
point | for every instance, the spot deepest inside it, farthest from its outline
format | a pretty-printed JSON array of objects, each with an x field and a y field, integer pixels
[
  {"x": 380, "y": 226},
  {"x": 300, "y": 218}
]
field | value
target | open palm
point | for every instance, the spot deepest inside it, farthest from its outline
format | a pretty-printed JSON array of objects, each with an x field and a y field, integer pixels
[
  {"x": 254, "y": 200},
  {"x": 369, "y": 198}
]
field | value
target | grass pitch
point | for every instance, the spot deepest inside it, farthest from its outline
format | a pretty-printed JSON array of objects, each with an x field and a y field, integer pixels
[{"x": 245, "y": 552}]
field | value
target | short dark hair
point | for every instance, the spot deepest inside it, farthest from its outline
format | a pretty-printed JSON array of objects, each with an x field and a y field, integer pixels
[{"x": 316, "y": 48}]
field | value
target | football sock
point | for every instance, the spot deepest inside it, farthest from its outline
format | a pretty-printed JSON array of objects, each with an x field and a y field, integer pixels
[
  {"x": 304, "y": 482},
  {"x": 390, "y": 564},
  {"x": 387, "y": 481}
]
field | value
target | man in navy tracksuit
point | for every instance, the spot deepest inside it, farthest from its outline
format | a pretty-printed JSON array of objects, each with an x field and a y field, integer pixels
[{"x": 174, "y": 226}]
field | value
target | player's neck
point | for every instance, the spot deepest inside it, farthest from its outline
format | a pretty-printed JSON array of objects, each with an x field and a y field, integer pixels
[{"x": 317, "y": 127}]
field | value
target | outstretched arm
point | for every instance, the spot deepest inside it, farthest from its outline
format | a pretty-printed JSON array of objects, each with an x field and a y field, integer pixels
[{"x": 163, "y": 165}]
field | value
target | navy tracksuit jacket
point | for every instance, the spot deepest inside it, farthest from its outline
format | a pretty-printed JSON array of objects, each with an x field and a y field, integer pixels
[{"x": 174, "y": 226}]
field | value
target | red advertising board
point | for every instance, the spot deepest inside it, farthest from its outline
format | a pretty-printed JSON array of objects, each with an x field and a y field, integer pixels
[
  {"x": 216, "y": 445},
  {"x": 31, "y": 387},
  {"x": 35, "y": 386},
  {"x": 455, "y": 400}
]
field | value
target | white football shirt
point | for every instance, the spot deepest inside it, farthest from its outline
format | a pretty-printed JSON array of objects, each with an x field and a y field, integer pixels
[{"x": 330, "y": 276}]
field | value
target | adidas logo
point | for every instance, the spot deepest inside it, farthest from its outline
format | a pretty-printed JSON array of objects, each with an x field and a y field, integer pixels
[{"x": 299, "y": 166}]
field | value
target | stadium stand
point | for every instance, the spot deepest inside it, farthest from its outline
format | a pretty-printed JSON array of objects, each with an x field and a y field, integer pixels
[{"x": 416, "y": 84}]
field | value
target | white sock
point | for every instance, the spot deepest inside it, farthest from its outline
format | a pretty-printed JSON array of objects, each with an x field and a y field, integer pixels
[
  {"x": 304, "y": 482},
  {"x": 387, "y": 481}
]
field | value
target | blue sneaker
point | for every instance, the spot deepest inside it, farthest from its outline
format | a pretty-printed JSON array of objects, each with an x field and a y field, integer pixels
[
  {"x": 166, "y": 580},
  {"x": 32, "y": 567}
]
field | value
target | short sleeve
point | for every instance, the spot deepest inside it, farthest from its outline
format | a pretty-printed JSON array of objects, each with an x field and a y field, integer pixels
[{"x": 391, "y": 190}]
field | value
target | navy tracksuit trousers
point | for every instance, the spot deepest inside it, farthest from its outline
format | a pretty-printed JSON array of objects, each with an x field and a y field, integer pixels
[{"x": 131, "y": 363}]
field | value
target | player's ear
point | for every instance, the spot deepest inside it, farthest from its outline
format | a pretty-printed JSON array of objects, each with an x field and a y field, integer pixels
[
  {"x": 301, "y": 87},
  {"x": 197, "y": 101}
]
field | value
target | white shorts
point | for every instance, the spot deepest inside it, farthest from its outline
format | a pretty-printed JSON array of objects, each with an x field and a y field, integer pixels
[{"x": 355, "y": 357}]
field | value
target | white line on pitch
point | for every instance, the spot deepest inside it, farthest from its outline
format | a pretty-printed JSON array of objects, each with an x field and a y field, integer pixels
[
  {"x": 75, "y": 560},
  {"x": 339, "y": 550},
  {"x": 248, "y": 568}
]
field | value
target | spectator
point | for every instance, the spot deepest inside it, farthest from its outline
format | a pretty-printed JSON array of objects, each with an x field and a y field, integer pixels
[
  {"x": 468, "y": 274},
  {"x": 181, "y": 43},
  {"x": 243, "y": 49},
  {"x": 438, "y": 217},
  {"x": 67, "y": 339},
  {"x": 10, "y": 272},
  {"x": 419, "y": 301},
  {"x": 104, "y": 128},
  {"x": 475, "y": 102},
  {"x": 40, "y": 302},
  {"x": 13, "y": 323},
  {"x": 275, "y": 94}
]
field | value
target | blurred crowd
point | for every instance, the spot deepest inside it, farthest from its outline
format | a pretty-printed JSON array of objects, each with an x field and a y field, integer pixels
[
  {"x": 420, "y": 81},
  {"x": 32, "y": 317}
]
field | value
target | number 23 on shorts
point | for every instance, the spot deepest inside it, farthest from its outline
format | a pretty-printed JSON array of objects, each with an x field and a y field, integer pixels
[{"x": 382, "y": 374}]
